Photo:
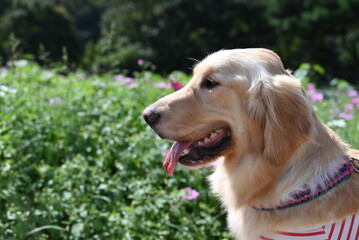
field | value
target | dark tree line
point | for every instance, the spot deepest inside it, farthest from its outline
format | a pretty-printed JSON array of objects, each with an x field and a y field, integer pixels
[{"x": 101, "y": 35}]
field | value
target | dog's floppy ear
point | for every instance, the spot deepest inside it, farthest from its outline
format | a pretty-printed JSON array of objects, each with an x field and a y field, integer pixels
[{"x": 283, "y": 114}]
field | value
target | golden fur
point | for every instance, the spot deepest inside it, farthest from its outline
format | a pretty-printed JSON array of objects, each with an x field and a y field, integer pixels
[{"x": 278, "y": 142}]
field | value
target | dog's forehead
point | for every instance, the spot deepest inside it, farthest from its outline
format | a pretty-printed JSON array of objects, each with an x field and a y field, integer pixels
[
  {"x": 240, "y": 62},
  {"x": 217, "y": 61},
  {"x": 227, "y": 63}
]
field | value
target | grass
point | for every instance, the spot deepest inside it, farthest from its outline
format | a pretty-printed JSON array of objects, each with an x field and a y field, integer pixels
[{"x": 78, "y": 162}]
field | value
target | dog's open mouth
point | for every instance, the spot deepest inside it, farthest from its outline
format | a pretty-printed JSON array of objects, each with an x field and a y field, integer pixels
[{"x": 198, "y": 152}]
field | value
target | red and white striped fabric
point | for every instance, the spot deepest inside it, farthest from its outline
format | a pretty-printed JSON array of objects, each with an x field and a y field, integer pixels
[{"x": 347, "y": 229}]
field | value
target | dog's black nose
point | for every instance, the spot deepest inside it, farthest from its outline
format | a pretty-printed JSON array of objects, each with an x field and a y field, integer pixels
[{"x": 151, "y": 115}]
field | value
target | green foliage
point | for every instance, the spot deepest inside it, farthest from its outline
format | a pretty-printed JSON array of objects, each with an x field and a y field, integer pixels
[
  {"x": 102, "y": 36},
  {"x": 310, "y": 73},
  {"x": 112, "y": 53},
  {"x": 38, "y": 28},
  {"x": 337, "y": 105},
  {"x": 49, "y": 26},
  {"x": 77, "y": 161},
  {"x": 323, "y": 31},
  {"x": 177, "y": 30}
]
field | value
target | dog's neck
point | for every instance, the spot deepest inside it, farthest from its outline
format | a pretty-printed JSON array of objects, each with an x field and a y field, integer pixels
[
  {"x": 312, "y": 190},
  {"x": 258, "y": 184},
  {"x": 313, "y": 163}
]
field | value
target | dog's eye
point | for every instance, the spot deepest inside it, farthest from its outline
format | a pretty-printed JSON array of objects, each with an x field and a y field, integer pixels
[{"x": 210, "y": 84}]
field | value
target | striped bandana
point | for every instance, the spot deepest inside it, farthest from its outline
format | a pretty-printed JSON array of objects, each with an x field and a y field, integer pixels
[{"x": 347, "y": 229}]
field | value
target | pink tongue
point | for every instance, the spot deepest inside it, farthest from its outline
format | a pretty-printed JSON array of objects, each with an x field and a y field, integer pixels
[{"x": 173, "y": 155}]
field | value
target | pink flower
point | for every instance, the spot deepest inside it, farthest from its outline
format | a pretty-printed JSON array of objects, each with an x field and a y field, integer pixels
[
  {"x": 128, "y": 80},
  {"x": 132, "y": 85},
  {"x": 4, "y": 70},
  {"x": 349, "y": 107},
  {"x": 346, "y": 116},
  {"x": 55, "y": 100},
  {"x": 310, "y": 86},
  {"x": 119, "y": 78},
  {"x": 355, "y": 100},
  {"x": 352, "y": 93},
  {"x": 163, "y": 85},
  {"x": 176, "y": 85},
  {"x": 317, "y": 97},
  {"x": 191, "y": 194},
  {"x": 123, "y": 79},
  {"x": 140, "y": 62},
  {"x": 62, "y": 76}
]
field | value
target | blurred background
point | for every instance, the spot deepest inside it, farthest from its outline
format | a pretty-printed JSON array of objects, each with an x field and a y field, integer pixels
[
  {"x": 109, "y": 35},
  {"x": 77, "y": 160}
]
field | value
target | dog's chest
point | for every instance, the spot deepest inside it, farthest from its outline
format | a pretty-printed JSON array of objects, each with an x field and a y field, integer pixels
[{"x": 347, "y": 229}]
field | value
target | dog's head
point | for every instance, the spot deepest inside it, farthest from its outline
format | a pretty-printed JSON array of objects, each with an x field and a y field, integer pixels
[{"x": 238, "y": 101}]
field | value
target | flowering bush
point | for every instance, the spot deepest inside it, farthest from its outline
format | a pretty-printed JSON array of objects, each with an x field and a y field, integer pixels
[{"x": 77, "y": 161}]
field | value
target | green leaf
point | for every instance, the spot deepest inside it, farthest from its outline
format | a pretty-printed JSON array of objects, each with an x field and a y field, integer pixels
[
  {"x": 46, "y": 227},
  {"x": 319, "y": 69}
]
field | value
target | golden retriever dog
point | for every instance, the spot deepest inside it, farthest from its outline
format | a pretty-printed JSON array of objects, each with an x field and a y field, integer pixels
[{"x": 279, "y": 171}]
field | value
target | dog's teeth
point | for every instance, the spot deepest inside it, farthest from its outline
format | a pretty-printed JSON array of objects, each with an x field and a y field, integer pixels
[
  {"x": 200, "y": 143},
  {"x": 213, "y": 134},
  {"x": 185, "y": 152},
  {"x": 206, "y": 140},
  {"x": 193, "y": 161}
]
